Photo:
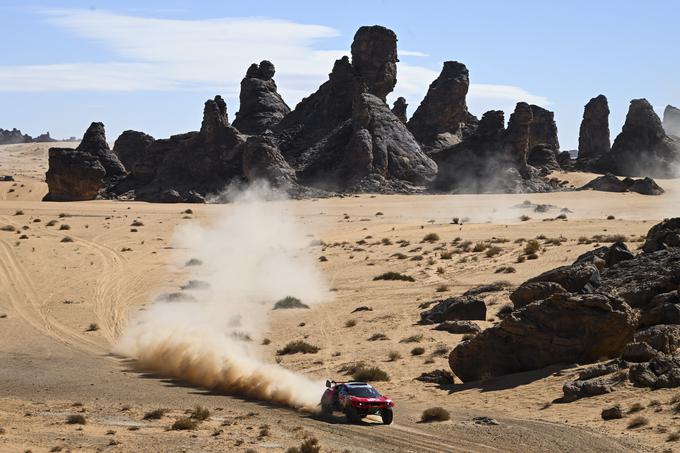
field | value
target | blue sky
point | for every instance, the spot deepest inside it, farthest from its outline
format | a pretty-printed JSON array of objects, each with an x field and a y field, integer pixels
[{"x": 150, "y": 65}]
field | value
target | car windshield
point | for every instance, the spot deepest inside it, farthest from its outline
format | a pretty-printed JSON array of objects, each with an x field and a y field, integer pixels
[{"x": 364, "y": 392}]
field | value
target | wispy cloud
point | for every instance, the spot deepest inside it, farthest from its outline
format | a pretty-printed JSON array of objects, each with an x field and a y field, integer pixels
[{"x": 167, "y": 54}]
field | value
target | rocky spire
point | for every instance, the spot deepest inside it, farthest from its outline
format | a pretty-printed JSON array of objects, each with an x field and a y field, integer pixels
[
  {"x": 593, "y": 139},
  {"x": 442, "y": 116},
  {"x": 543, "y": 129},
  {"x": 94, "y": 144},
  {"x": 374, "y": 58},
  {"x": 671, "y": 120},
  {"x": 399, "y": 109},
  {"x": 518, "y": 135},
  {"x": 262, "y": 107},
  {"x": 214, "y": 115}
]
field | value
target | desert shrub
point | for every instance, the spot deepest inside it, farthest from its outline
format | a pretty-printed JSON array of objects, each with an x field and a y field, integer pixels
[
  {"x": 561, "y": 217},
  {"x": 431, "y": 237},
  {"x": 93, "y": 327},
  {"x": 2, "y": 431},
  {"x": 610, "y": 238},
  {"x": 611, "y": 217},
  {"x": 8, "y": 228},
  {"x": 323, "y": 259},
  {"x": 66, "y": 239},
  {"x": 18, "y": 212},
  {"x": 480, "y": 247},
  {"x": 309, "y": 445},
  {"x": 188, "y": 211},
  {"x": 137, "y": 223},
  {"x": 532, "y": 256},
  {"x": 635, "y": 407},
  {"x": 435, "y": 414},
  {"x": 532, "y": 246},
  {"x": 465, "y": 246},
  {"x": 445, "y": 255},
  {"x": 350, "y": 323},
  {"x": 419, "y": 350},
  {"x": 64, "y": 226},
  {"x": 76, "y": 419},
  {"x": 378, "y": 336},
  {"x": 296, "y": 347},
  {"x": 493, "y": 251},
  {"x": 184, "y": 423},
  {"x": 505, "y": 270},
  {"x": 194, "y": 262},
  {"x": 440, "y": 351},
  {"x": 412, "y": 339},
  {"x": 505, "y": 310},
  {"x": 155, "y": 414},
  {"x": 524, "y": 218},
  {"x": 51, "y": 223},
  {"x": 266, "y": 341},
  {"x": 637, "y": 422},
  {"x": 289, "y": 302},
  {"x": 393, "y": 356},
  {"x": 370, "y": 374},
  {"x": 521, "y": 258},
  {"x": 394, "y": 276},
  {"x": 386, "y": 241},
  {"x": 200, "y": 413},
  {"x": 23, "y": 236},
  {"x": 442, "y": 288}
]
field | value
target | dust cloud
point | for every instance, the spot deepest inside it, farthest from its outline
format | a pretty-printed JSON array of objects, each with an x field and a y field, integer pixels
[{"x": 253, "y": 254}]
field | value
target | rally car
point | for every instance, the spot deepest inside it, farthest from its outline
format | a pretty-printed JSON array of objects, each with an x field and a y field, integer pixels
[{"x": 356, "y": 400}]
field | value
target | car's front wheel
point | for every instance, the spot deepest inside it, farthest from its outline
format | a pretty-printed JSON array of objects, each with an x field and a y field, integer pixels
[
  {"x": 326, "y": 409},
  {"x": 352, "y": 414},
  {"x": 387, "y": 416}
]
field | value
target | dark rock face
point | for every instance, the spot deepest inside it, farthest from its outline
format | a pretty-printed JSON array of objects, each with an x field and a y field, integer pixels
[
  {"x": 462, "y": 308},
  {"x": 660, "y": 372},
  {"x": 671, "y": 120},
  {"x": 543, "y": 129},
  {"x": 399, "y": 109},
  {"x": 534, "y": 291},
  {"x": 94, "y": 143},
  {"x": 442, "y": 117},
  {"x": 374, "y": 58},
  {"x": 261, "y": 106},
  {"x": 663, "y": 235},
  {"x": 541, "y": 157},
  {"x": 662, "y": 338},
  {"x": 518, "y": 135},
  {"x": 132, "y": 147},
  {"x": 643, "y": 148},
  {"x": 262, "y": 160},
  {"x": 575, "y": 278},
  {"x": 593, "y": 139},
  {"x": 563, "y": 328},
  {"x": 73, "y": 175}
]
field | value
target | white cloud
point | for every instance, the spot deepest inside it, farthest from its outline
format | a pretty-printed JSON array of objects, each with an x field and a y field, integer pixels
[{"x": 166, "y": 54}]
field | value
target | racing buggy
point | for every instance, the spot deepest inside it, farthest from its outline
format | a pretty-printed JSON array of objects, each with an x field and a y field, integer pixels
[{"x": 356, "y": 400}]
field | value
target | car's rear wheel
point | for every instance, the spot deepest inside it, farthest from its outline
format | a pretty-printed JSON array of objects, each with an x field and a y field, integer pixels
[
  {"x": 387, "y": 416},
  {"x": 352, "y": 414}
]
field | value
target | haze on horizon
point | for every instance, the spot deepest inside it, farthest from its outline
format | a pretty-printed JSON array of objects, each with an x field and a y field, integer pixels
[{"x": 151, "y": 68}]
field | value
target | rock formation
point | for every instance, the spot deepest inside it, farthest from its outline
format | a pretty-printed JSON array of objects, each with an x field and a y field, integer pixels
[
  {"x": 94, "y": 143},
  {"x": 262, "y": 160},
  {"x": 399, "y": 109},
  {"x": 442, "y": 118},
  {"x": 593, "y": 139},
  {"x": 374, "y": 58},
  {"x": 132, "y": 148},
  {"x": 643, "y": 148},
  {"x": 15, "y": 136},
  {"x": 261, "y": 106},
  {"x": 671, "y": 120},
  {"x": 610, "y": 183},
  {"x": 73, "y": 175},
  {"x": 543, "y": 133}
]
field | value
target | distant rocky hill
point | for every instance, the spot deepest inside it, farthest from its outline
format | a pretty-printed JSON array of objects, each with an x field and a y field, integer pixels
[
  {"x": 14, "y": 136},
  {"x": 344, "y": 138}
]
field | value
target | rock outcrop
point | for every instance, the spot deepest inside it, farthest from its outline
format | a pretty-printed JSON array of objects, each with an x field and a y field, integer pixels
[
  {"x": 543, "y": 132},
  {"x": 442, "y": 118},
  {"x": 610, "y": 183},
  {"x": 15, "y": 136},
  {"x": 262, "y": 160},
  {"x": 94, "y": 143},
  {"x": 461, "y": 308},
  {"x": 132, "y": 149},
  {"x": 643, "y": 148},
  {"x": 663, "y": 235},
  {"x": 399, "y": 109},
  {"x": 374, "y": 58},
  {"x": 261, "y": 106},
  {"x": 593, "y": 139},
  {"x": 671, "y": 120}
]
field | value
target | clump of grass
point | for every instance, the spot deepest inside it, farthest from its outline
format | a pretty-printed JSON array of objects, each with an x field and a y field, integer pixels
[
  {"x": 66, "y": 239},
  {"x": 8, "y": 228},
  {"x": 93, "y": 327},
  {"x": 412, "y": 339},
  {"x": 435, "y": 414},
  {"x": 155, "y": 414},
  {"x": 188, "y": 211},
  {"x": 309, "y": 445},
  {"x": 394, "y": 276},
  {"x": 393, "y": 356},
  {"x": 184, "y": 423},
  {"x": 419, "y": 350},
  {"x": 480, "y": 247},
  {"x": 137, "y": 223},
  {"x": 298, "y": 347},
  {"x": 76, "y": 419},
  {"x": 386, "y": 241},
  {"x": 350, "y": 323},
  {"x": 635, "y": 407},
  {"x": 524, "y": 218},
  {"x": 266, "y": 341},
  {"x": 505, "y": 270},
  {"x": 440, "y": 351},
  {"x": 200, "y": 413},
  {"x": 532, "y": 246},
  {"x": 442, "y": 288},
  {"x": 377, "y": 337},
  {"x": 610, "y": 238},
  {"x": 51, "y": 223},
  {"x": 64, "y": 226},
  {"x": 370, "y": 374},
  {"x": 289, "y": 302},
  {"x": 493, "y": 251},
  {"x": 430, "y": 237},
  {"x": 18, "y": 212},
  {"x": 637, "y": 422}
]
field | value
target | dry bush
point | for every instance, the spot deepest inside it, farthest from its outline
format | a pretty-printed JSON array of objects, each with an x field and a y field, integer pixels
[
  {"x": 505, "y": 270},
  {"x": 63, "y": 214},
  {"x": 532, "y": 246},
  {"x": 418, "y": 351},
  {"x": 194, "y": 262},
  {"x": 430, "y": 237},
  {"x": 188, "y": 211},
  {"x": 524, "y": 218},
  {"x": 266, "y": 341},
  {"x": 350, "y": 323},
  {"x": 137, "y": 223},
  {"x": 435, "y": 414},
  {"x": 393, "y": 356},
  {"x": 297, "y": 347},
  {"x": 309, "y": 445},
  {"x": 64, "y": 226},
  {"x": 394, "y": 276},
  {"x": 289, "y": 302},
  {"x": 51, "y": 223},
  {"x": 386, "y": 241},
  {"x": 18, "y": 212},
  {"x": 66, "y": 239},
  {"x": 378, "y": 336},
  {"x": 442, "y": 288},
  {"x": 7, "y": 228},
  {"x": 200, "y": 413},
  {"x": 637, "y": 422},
  {"x": 155, "y": 414},
  {"x": 493, "y": 251},
  {"x": 184, "y": 423},
  {"x": 611, "y": 217},
  {"x": 480, "y": 247},
  {"x": 635, "y": 407},
  {"x": 532, "y": 256},
  {"x": 93, "y": 327},
  {"x": 370, "y": 374},
  {"x": 76, "y": 419},
  {"x": 673, "y": 437},
  {"x": 440, "y": 351},
  {"x": 412, "y": 339}
]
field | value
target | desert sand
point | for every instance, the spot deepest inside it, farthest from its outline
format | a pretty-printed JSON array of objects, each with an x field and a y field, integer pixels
[{"x": 55, "y": 363}]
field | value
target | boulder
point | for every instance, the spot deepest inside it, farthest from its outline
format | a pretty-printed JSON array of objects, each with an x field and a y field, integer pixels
[
  {"x": 638, "y": 352},
  {"x": 442, "y": 118},
  {"x": 643, "y": 148},
  {"x": 459, "y": 327},
  {"x": 575, "y": 278},
  {"x": 132, "y": 147},
  {"x": 399, "y": 109},
  {"x": 612, "y": 413},
  {"x": 564, "y": 328},
  {"x": 461, "y": 308},
  {"x": 671, "y": 120},
  {"x": 662, "y": 309},
  {"x": 593, "y": 139},
  {"x": 607, "y": 183},
  {"x": 646, "y": 186},
  {"x": 261, "y": 106},
  {"x": 591, "y": 387},
  {"x": 663, "y": 235},
  {"x": 73, "y": 175},
  {"x": 262, "y": 160},
  {"x": 374, "y": 57},
  {"x": 534, "y": 291},
  {"x": 662, "y": 371},
  {"x": 663, "y": 338}
]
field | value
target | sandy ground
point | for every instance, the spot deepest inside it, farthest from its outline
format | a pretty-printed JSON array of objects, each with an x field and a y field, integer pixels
[{"x": 53, "y": 365}]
